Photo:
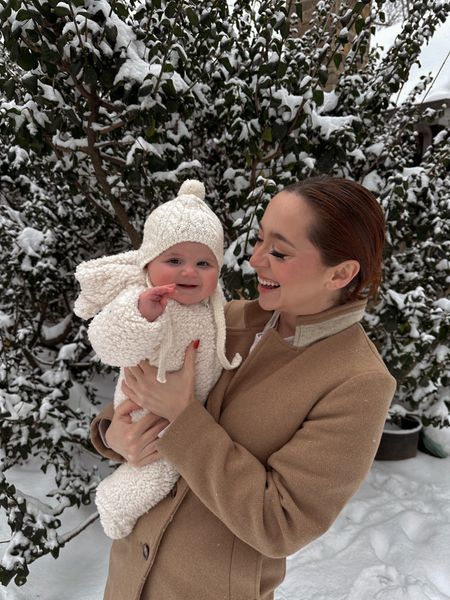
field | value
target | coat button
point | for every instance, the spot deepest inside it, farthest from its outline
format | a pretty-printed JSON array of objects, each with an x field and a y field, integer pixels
[
  {"x": 173, "y": 491},
  {"x": 146, "y": 551}
]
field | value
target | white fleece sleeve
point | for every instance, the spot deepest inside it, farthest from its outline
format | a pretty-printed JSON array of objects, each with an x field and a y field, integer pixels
[{"x": 121, "y": 336}]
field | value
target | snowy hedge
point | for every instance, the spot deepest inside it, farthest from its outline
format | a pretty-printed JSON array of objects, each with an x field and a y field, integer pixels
[{"x": 106, "y": 107}]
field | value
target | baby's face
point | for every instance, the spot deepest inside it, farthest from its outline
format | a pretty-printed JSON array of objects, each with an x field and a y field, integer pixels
[{"x": 192, "y": 266}]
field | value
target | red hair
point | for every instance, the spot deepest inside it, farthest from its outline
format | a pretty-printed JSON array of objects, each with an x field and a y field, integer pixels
[{"x": 348, "y": 224}]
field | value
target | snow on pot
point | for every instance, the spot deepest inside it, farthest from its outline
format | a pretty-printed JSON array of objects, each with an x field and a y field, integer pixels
[{"x": 400, "y": 438}]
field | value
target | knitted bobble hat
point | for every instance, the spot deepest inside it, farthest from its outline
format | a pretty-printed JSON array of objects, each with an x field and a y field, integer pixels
[{"x": 187, "y": 218}]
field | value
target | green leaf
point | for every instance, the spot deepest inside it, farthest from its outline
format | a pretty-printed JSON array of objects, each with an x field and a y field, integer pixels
[
  {"x": 71, "y": 114},
  {"x": 151, "y": 129},
  {"x": 30, "y": 83},
  {"x": 337, "y": 59},
  {"x": 49, "y": 55},
  {"x": 20, "y": 579},
  {"x": 62, "y": 11},
  {"x": 89, "y": 75},
  {"x": 281, "y": 69},
  {"x": 169, "y": 88},
  {"x": 9, "y": 87},
  {"x": 279, "y": 131},
  {"x": 111, "y": 34},
  {"x": 32, "y": 35},
  {"x": 192, "y": 16},
  {"x": 225, "y": 61},
  {"x": 267, "y": 134},
  {"x": 318, "y": 97},
  {"x": 323, "y": 75},
  {"x": 121, "y": 10},
  {"x": 359, "y": 25},
  {"x": 107, "y": 76},
  {"x": 23, "y": 15},
  {"x": 27, "y": 59},
  {"x": 134, "y": 178},
  {"x": 171, "y": 9},
  {"x": 285, "y": 28}
]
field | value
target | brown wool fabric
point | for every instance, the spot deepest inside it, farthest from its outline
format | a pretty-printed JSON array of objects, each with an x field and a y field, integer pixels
[{"x": 266, "y": 467}]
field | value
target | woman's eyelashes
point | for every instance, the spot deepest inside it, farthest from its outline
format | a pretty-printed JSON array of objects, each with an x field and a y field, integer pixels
[{"x": 279, "y": 255}]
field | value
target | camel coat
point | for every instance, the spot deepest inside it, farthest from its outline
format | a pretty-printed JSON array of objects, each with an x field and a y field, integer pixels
[{"x": 266, "y": 467}]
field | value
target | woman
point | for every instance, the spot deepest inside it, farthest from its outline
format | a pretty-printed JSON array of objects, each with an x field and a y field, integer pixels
[{"x": 284, "y": 441}]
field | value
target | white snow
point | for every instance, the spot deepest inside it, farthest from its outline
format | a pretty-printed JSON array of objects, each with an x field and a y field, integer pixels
[
  {"x": 21, "y": 157},
  {"x": 51, "y": 94},
  {"x": 432, "y": 57},
  {"x": 443, "y": 303},
  {"x": 328, "y": 124},
  {"x": 30, "y": 241},
  {"x": 373, "y": 182},
  {"x": 398, "y": 298},
  {"x": 67, "y": 352},
  {"x": 5, "y": 320},
  {"x": 50, "y": 332},
  {"x": 144, "y": 146},
  {"x": 288, "y": 102},
  {"x": 389, "y": 543},
  {"x": 440, "y": 436}
]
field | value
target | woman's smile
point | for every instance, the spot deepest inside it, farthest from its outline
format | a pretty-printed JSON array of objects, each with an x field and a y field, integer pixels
[{"x": 267, "y": 285}]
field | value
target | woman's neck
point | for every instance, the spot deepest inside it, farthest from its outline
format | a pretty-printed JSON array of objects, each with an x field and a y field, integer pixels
[{"x": 286, "y": 325}]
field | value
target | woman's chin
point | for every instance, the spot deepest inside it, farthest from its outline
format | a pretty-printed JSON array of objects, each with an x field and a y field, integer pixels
[{"x": 266, "y": 303}]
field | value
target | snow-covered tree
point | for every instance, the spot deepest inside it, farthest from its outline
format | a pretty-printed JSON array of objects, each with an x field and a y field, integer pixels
[{"x": 107, "y": 106}]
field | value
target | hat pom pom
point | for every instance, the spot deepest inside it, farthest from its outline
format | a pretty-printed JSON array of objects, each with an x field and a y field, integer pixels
[{"x": 193, "y": 187}]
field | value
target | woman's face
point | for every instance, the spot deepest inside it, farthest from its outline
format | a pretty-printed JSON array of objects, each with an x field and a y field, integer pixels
[{"x": 291, "y": 275}]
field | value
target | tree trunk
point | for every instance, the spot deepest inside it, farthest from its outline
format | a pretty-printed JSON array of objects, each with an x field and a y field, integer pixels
[{"x": 308, "y": 7}]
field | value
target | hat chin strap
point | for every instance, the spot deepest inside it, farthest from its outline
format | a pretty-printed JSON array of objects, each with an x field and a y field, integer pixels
[
  {"x": 217, "y": 301},
  {"x": 166, "y": 344}
]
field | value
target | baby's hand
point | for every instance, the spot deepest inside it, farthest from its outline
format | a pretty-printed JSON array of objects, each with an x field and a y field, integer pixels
[{"x": 152, "y": 302}]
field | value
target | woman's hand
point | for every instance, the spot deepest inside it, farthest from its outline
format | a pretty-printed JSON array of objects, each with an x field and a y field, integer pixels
[
  {"x": 136, "y": 442},
  {"x": 152, "y": 302},
  {"x": 168, "y": 399}
]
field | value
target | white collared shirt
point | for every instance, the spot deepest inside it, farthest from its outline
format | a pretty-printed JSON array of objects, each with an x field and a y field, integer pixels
[{"x": 271, "y": 324}]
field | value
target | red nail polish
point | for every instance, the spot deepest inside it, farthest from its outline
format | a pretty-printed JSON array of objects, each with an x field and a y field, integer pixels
[{"x": 196, "y": 344}]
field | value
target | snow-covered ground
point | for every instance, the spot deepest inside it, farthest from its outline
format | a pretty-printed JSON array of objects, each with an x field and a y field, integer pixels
[{"x": 391, "y": 542}]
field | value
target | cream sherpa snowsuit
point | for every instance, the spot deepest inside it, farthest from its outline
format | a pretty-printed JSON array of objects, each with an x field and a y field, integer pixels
[{"x": 122, "y": 337}]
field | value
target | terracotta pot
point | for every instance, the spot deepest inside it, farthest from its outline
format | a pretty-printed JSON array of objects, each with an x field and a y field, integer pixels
[{"x": 400, "y": 438}]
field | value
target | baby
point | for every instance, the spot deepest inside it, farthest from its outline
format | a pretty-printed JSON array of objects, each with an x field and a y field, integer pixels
[{"x": 151, "y": 304}]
